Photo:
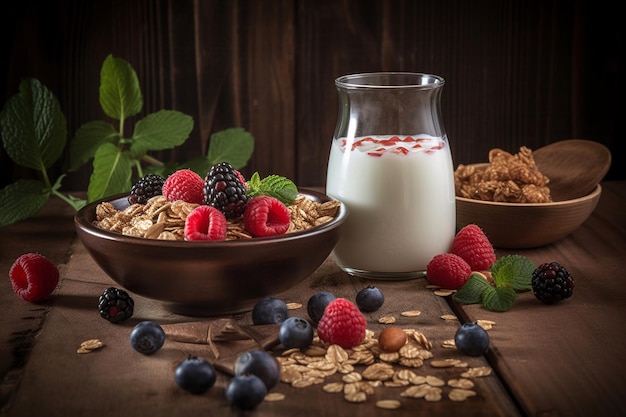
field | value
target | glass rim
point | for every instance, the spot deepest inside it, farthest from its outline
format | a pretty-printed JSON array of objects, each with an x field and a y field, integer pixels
[{"x": 385, "y": 80}]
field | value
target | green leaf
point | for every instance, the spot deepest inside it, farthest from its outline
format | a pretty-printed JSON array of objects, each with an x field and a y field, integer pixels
[
  {"x": 88, "y": 139},
  {"x": 112, "y": 169},
  {"x": 275, "y": 186},
  {"x": 164, "y": 129},
  {"x": 234, "y": 145},
  {"x": 499, "y": 299},
  {"x": 120, "y": 93},
  {"x": 33, "y": 127},
  {"x": 21, "y": 200},
  {"x": 472, "y": 291},
  {"x": 513, "y": 271}
]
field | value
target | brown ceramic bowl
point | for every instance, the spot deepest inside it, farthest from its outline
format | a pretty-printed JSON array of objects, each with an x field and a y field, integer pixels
[
  {"x": 208, "y": 278},
  {"x": 522, "y": 226}
]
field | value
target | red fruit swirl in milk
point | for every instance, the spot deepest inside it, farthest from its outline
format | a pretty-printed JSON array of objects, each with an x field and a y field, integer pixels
[{"x": 394, "y": 145}]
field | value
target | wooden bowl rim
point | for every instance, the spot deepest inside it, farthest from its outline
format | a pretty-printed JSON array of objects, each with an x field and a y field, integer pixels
[{"x": 592, "y": 195}]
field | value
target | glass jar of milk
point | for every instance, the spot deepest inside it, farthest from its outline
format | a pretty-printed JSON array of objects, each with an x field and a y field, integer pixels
[{"x": 390, "y": 164}]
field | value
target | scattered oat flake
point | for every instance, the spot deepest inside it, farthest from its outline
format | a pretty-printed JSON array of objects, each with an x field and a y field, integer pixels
[
  {"x": 387, "y": 320},
  {"x": 448, "y": 344},
  {"x": 411, "y": 313},
  {"x": 460, "y": 394},
  {"x": 444, "y": 293},
  {"x": 444, "y": 363},
  {"x": 388, "y": 404},
  {"x": 449, "y": 317},
  {"x": 486, "y": 324},
  {"x": 275, "y": 396},
  {"x": 477, "y": 372},
  {"x": 293, "y": 306},
  {"x": 89, "y": 346}
]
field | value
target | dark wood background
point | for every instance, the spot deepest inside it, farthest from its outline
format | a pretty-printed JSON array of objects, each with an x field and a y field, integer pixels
[{"x": 524, "y": 72}]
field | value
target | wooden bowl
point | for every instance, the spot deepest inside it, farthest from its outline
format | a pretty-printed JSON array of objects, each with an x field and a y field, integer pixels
[
  {"x": 522, "y": 226},
  {"x": 208, "y": 278}
]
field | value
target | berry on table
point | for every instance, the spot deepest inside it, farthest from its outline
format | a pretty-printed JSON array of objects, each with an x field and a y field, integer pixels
[
  {"x": 195, "y": 375},
  {"x": 295, "y": 332},
  {"x": 115, "y": 305},
  {"x": 471, "y": 244},
  {"x": 245, "y": 391},
  {"x": 471, "y": 339},
  {"x": 223, "y": 189},
  {"x": 448, "y": 270},
  {"x": 261, "y": 364},
  {"x": 552, "y": 282},
  {"x": 33, "y": 277},
  {"x": 342, "y": 324},
  {"x": 148, "y": 186},
  {"x": 269, "y": 310},
  {"x": 266, "y": 216},
  {"x": 147, "y": 337},
  {"x": 317, "y": 303},
  {"x": 205, "y": 223},
  {"x": 185, "y": 185},
  {"x": 370, "y": 299}
]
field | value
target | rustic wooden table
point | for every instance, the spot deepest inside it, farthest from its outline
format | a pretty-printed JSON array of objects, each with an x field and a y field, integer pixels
[{"x": 562, "y": 360}]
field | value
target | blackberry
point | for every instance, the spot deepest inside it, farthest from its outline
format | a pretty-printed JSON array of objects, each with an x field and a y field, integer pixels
[
  {"x": 115, "y": 305},
  {"x": 147, "y": 187},
  {"x": 224, "y": 190},
  {"x": 552, "y": 283}
]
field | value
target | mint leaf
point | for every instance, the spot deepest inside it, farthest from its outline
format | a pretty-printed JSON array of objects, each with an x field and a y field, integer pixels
[
  {"x": 88, "y": 139},
  {"x": 21, "y": 200},
  {"x": 275, "y": 186},
  {"x": 112, "y": 169},
  {"x": 234, "y": 145},
  {"x": 472, "y": 291},
  {"x": 513, "y": 271},
  {"x": 164, "y": 129},
  {"x": 120, "y": 94},
  {"x": 33, "y": 127},
  {"x": 499, "y": 299}
]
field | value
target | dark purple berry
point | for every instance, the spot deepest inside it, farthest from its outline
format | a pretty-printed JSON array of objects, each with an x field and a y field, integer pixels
[
  {"x": 245, "y": 391},
  {"x": 259, "y": 363},
  {"x": 370, "y": 299},
  {"x": 295, "y": 333},
  {"x": 471, "y": 339},
  {"x": 269, "y": 311},
  {"x": 195, "y": 375},
  {"x": 317, "y": 304},
  {"x": 147, "y": 337},
  {"x": 552, "y": 283}
]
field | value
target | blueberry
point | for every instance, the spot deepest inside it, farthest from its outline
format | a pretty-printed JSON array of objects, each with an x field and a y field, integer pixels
[
  {"x": 471, "y": 339},
  {"x": 295, "y": 333},
  {"x": 370, "y": 299},
  {"x": 147, "y": 337},
  {"x": 269, "y": 311},
  {"x": 245, "y": 391},
  {"x": 195, "y": 375},
  {"x": 261, "y": 364},
  {"x": 317, "y": 304}
]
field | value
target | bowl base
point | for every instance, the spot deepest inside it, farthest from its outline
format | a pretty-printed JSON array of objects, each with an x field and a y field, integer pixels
[
  {"x": 202, "y": 310},
  {"x": 388, "y": 276}
]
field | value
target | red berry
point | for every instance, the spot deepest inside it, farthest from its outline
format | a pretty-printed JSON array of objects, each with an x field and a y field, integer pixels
[
  {"x": 205, "y": 223},
  {"x": 33, "y": 277},
  {"x": 448, "y": 271},
  {"x": 342, "y": 324},
  {"x": 473, "y": 245},
  {"x": 185, "y": 185},
  {"x": 266, "y": 216}
]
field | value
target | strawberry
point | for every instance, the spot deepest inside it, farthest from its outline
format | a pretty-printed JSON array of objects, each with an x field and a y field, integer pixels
[
  {"x": 33, "y": 277},
  {"x": 448, "y": 270},
  {"x": 473, "y": 245},
  {"x": 266, "y": 216},
  {"x": 342, "y": 324},
  {"x": 205, "y": 223},
  {"x": 185, "y": 185}
]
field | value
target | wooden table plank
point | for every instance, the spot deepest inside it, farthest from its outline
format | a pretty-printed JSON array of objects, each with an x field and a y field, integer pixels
[{"x": 567, "y": 359}]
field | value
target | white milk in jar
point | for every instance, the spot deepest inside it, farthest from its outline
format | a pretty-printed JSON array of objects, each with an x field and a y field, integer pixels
[{"x": 399, "y": 191}]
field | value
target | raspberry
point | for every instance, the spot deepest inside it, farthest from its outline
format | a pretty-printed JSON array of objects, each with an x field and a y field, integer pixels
[
  {"x": 342, "y": 324},
  {"x": 266, "y": 216},
  {"x": 185, "y": 185},
  {"x": 448, "y": 270},
  {"x": 147, "y": 187},
  {"x": 552, "y": 283},
  {"x": 115, "y": 305},
  {"x": 224, "y": 190},
  {"x": 33, "y": 277},
  {"x": 205, "y": 223},
  {"x": 471, "y": 244}
]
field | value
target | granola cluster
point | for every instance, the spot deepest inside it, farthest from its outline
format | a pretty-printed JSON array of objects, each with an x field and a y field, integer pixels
[
  {"x": 163, "y": 219},
  {"x": 507, "y": 178}
]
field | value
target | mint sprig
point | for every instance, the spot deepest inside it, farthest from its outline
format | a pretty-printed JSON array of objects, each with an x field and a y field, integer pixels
[
  {"x": 34, "y": 134},
  {"x": 511, "y": 274},
  {"x": 275, "y": 186}
]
